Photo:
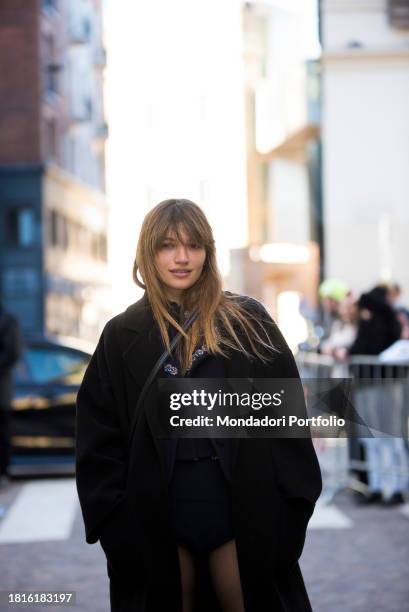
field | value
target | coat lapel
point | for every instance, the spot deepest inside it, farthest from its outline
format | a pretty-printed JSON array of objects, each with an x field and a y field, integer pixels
[
  {"x": 140, "y": 357},
  {"x": 146, "y": 347}
]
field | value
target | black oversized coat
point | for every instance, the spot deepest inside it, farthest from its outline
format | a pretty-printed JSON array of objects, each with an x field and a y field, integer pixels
[{"x": 123, "y": 490}]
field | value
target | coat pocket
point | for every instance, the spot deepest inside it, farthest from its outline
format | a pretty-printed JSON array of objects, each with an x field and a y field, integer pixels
[
  {"x": 118, "y": 539},
  {"x": 113, "y": 533},
  {"x": 295, "y": 513}
]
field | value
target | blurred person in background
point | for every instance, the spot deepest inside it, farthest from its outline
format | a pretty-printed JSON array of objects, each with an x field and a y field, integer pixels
[
  {"x": 378, "y": 325},
  {"x": 343, "y": 330},
  {"x": 386, "y": 457},
  {"x": 394, "y": 297},
  {"x": 312, "y": 318},
  {"x": 10, "y": 353},
  {"x": 320, "y": 319},
  {"x": 331, "y": 292},
  {"x": 398, "y": 352}
]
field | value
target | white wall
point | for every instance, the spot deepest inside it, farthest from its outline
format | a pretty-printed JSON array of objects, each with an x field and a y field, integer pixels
[{"x": 366, "y": 147}]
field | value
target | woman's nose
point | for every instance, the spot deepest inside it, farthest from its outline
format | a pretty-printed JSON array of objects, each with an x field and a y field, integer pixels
[{"x": 181, "y": 253}]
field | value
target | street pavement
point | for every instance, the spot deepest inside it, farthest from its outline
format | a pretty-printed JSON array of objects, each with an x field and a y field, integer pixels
[{"x": 356, "y": 559}]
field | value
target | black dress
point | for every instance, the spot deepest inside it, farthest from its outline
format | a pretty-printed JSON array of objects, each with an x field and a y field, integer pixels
[{"x": 199, "y": 472}]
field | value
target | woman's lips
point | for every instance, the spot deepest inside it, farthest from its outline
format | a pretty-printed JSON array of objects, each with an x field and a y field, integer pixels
[{"x": 180, "y": 273}]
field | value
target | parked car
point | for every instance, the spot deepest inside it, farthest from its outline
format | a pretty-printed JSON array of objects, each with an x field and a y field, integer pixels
[{"x": 46, "y": 382}]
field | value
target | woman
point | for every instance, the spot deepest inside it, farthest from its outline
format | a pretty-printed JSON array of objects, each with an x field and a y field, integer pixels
[{"x": 190, "y": 525}]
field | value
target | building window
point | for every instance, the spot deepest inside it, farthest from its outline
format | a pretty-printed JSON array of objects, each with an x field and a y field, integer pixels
[
  {"x": 88, "y": 107},
  {"x": 51, "y": 77},
  {"x": 72, "y": 154},
  {"x": 58, "y": 230},
  {"x": 95, "y": 246},
  {"x": 63, "y": 238},
  {"x": 21, "y": 282},
  {"x": 51, "y": 138},
  {"x": 49, "y": 4},
  {"x": 73, "y": 235},
  {"x": 103, "y": 248},
  {"x": 86, "y": 24},
  {"x": 100, "y": 162},
  {"x": 54, "y": 228},
  {"x": 21, "y": 227},
  {"x": 52, "y": 66}
]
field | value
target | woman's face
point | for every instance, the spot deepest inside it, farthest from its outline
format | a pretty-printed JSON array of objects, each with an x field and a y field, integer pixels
[{"x": 179, "y": 264}]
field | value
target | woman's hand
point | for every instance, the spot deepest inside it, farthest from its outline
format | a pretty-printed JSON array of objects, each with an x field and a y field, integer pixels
[
  {"x": 114, "y": 530},
  {"x": 119, "y": 543}
]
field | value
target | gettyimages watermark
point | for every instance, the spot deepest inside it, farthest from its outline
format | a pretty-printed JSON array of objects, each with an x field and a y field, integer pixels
[{"x": 281, "y": 408}]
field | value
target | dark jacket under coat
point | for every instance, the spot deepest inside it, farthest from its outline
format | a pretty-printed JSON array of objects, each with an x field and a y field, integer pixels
[
  {"x": 381, "y": 329},
  {"x": 11, "y": 347},
  {"x": 122, "y": 487},
  {"x": 204, "y": 366}
]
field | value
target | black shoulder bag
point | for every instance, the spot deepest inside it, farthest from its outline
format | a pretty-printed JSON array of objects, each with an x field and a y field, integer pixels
[{"x": 156, "y": 369}]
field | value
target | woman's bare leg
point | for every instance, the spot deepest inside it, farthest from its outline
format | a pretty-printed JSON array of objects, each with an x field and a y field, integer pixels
[
  {"x": 187, "y": 572},
  {"x": 224, "y": 569}
]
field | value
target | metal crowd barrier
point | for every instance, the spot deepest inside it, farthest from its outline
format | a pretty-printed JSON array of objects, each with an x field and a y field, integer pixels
[{"x": 381, "y": 396}]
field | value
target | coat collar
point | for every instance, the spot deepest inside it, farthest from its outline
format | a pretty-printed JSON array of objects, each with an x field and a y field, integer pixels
[
  {"x": 145, "y": 346},
  {"x": 138, "y": 315},
  {"x": 145, "y": 349}
]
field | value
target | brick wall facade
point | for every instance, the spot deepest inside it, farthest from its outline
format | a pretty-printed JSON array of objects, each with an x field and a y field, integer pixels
[{"x": 20, "y": 97}]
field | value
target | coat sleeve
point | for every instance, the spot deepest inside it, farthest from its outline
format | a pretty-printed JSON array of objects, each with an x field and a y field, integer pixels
[
  {"x": 100, "y": 448},
  {"x": 294, "y": 459}
]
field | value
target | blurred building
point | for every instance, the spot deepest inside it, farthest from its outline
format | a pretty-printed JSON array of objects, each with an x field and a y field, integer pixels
[
  {"x": 281, "y": 264},
  {"x": 53, "y": 210},
  {"x": 366, "y": 134}
]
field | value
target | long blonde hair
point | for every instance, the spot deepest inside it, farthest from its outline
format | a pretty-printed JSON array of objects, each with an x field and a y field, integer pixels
[{"x": 216, "y": 310}]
